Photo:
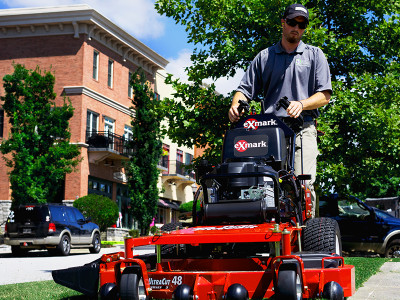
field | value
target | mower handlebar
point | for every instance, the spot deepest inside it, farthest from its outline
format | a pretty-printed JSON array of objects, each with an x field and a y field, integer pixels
[
  {"x": 243, "y": 106},
  {"x": 297, "y": 122}
]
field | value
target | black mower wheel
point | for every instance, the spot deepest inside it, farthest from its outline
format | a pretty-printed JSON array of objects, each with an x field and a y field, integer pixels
[
  {"x": 64, "y": 247},
  {"x": 171, "y": 248},
  {"x": 131, "y": 287},
  {"x": 393, "y": 250},
  {"x": 288, "y": 285},
  {"x": 96, "y": 244},
  {"x": 323, "y": 235}
]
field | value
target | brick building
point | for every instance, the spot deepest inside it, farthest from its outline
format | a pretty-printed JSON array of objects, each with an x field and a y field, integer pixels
[{"x": 92, "y": 60}]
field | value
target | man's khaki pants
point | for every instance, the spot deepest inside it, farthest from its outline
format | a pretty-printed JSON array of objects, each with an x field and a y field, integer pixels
[{"x": 310, "y": 152}]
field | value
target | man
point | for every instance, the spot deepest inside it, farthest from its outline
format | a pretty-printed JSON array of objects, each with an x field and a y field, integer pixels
[{"x": 298, "y": 71}]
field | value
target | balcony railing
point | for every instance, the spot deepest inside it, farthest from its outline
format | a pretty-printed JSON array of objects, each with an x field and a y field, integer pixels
[
  {"x": 175, "y": 167},
  {"x": 108, "y": 140}
]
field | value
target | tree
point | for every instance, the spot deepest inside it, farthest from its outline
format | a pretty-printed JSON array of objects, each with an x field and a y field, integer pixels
[
  {"x": 39, "y": 146},
  {"x": 360, "y": 152},
  {"x": 191, "y": 125},
  {"x": 361, "y": 40},
  {"x": 146, "y": 144}
]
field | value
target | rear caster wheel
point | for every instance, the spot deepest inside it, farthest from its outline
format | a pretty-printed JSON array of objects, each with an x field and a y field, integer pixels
[
  {"x": 132, "y": 287},
  {"x": 288, "y": 285}
]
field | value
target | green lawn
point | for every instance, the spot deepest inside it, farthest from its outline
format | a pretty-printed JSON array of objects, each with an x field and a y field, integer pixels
[{"x": 43, "y": 290}]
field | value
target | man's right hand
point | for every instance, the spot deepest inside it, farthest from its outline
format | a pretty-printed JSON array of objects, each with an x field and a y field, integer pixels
[{"x": 234, "y": 113}]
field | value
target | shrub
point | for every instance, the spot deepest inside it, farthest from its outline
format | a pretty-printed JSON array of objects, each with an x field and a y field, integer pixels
[
  {"x": 153, "y": 230},
  {"x": 102, "y": 210},
  {"x": 134, "y": 233},
  {"x": 187, "y": 207}
]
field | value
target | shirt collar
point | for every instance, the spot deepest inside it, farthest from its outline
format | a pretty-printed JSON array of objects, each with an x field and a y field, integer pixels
[{"x": 300, "y": 48}]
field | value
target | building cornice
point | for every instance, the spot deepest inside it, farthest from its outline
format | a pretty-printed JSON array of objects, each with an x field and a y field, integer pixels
[
  {"x": 78, "y": 20},
  {"x": 82, "y": 90}
]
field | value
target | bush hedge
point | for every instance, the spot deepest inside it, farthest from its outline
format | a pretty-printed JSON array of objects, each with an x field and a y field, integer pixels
[
  {"x": 102, "y": 210},
  {"x": 187, "y": 207}
]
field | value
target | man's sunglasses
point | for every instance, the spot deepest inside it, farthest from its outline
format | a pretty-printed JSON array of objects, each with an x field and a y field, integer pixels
[{"x": 293, "y": 23}]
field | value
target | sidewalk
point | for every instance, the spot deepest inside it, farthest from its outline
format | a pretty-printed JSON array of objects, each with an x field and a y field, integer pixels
[{"x": 384, "y": 285}]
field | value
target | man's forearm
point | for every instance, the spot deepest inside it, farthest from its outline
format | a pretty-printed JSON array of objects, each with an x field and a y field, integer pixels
[
  {"x": 317, "y": 100},
  {"x": 238, "y": 96}
]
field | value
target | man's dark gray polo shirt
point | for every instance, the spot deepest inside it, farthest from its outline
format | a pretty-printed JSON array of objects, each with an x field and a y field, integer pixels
[{"x": 276, "y": 73}]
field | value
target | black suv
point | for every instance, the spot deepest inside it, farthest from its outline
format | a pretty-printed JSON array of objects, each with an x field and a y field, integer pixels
[
  {"x": 54, "y": 227},
  {"x": 363, "y": 228}
]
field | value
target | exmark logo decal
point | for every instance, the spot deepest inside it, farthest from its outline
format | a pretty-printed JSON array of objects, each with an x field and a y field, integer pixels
[
  {"x": 243, "y": 145},
  {"x": 250, "y": 145},
  {"x": 253, "y": 124}
]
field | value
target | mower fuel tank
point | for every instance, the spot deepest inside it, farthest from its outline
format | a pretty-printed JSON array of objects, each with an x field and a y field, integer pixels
[{"x": 239, "y": 167}]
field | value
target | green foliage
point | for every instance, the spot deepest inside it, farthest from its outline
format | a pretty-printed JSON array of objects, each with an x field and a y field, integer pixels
[
  {"x": 39, "y": 143},
  {"x": 146, "y": 143},
  {"x": 153, "y": 230},
  {"x": 361, "y": 40},
  {"x": 356, "y": 36},
  {"x": 134, "y": 233},
  {"x": 193, "y": 122},
  {"x": 361, "y": 147},
  {"x": 102, "y": 210},
  {"x": 187, "y": 207}
]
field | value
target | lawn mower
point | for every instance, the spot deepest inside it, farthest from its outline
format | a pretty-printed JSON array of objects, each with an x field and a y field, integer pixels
[{"x": 252, "y": 237}]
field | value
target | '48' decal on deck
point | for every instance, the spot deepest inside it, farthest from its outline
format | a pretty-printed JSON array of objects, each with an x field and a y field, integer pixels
[{"x": 163, "y": 283}]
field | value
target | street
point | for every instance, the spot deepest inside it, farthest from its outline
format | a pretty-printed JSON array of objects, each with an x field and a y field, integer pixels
[{"x": 37, "y": 265}]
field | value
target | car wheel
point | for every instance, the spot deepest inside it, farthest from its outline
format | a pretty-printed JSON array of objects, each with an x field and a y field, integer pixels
[
  {"x": 96, "y": 244},
  {"x": 18, "y": 251},
  {"x": 322, "y": 234},
  {"x": 393, "y": 250},
  {"x": 64, "y": 247},
  {"x": 132, "y": 287}
]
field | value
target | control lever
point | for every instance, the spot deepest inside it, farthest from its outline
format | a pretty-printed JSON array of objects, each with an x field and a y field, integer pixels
[
  {"x": 295, "y": 123},
  {"x": 243, "y": 106}
]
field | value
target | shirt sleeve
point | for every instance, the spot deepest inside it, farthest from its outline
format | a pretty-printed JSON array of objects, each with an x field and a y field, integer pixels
[
  {"x": 251, "y": 83},
  {"x": 323, "y": 74}
]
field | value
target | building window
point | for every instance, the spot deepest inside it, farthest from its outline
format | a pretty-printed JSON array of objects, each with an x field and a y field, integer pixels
[
  {"x": 164, "y": 160},
  {"x": 100, "y": 187},
  {"x": 109, "y": 125},
  {"x": 128, "y": 133},
  {"x": 179, "y": 155},
  {"x": 188, "y": 158},
  {"x": 95, "y": 65},
  {"x": 1, "y": 123},
  {"x": 92, "y": 122},
  {"x": 110, "y": 73},
  {"x": 130, "y": 89}
]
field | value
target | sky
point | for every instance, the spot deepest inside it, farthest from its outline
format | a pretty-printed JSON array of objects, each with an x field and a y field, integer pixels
[{"x": 140, "y": 19}]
